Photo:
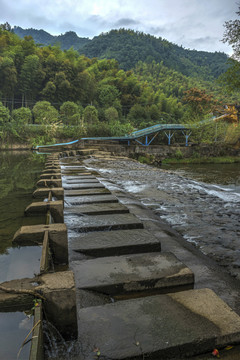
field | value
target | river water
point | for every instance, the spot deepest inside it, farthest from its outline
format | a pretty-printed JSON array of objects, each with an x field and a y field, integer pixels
[
  {"x": 202, "y": 202},
  {"x": 19, "y": 172}
]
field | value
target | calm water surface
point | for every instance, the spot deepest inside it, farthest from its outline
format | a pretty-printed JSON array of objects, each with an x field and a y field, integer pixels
[{"x": 19, "y": 172}]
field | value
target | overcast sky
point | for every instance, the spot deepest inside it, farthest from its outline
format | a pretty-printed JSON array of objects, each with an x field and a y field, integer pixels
[{"x": 194, "y": 24}]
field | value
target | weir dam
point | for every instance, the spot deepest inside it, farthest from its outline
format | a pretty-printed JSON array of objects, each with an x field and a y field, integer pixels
[{"x": 115, "y": 280}]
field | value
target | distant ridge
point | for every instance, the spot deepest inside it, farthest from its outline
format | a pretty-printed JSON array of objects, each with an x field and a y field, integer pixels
[
  {"x": 128, "y": 47},
  {"x": 66, "y": 41}
]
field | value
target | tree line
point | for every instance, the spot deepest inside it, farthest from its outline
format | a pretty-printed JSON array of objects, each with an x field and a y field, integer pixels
[{"x": 45, "y": 85}]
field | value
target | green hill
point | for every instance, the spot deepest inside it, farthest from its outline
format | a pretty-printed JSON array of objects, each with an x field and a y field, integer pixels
[
  {"x": 128, "y": 47},
  {"x": 66, "y": 41}
]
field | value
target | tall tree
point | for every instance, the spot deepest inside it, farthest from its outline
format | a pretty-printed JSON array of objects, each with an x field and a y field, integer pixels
[
  {"x": 8, "y": 78},
  {"x": 29, "y": 77},
  {"x": 232, "y": 35},
  {"x": 231, "y": 78}
]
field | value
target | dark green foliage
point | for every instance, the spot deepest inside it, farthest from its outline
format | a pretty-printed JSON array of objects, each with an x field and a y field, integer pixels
[{"x": 128, "y": 47}]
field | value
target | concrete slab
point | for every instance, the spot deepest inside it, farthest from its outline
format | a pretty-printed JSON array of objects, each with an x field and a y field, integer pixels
[
  {"x": 81, "y": 181},
  {"x": 43, "y": 193},
  {"x": 83, "y": 186},
  {"x": 53, "y": 167},
  {"x": 159, "y": 327},
  {"x": 102, "y": 222},
  {"x": 50, "y": 176},
  {"x": 77, "y": 174},
  {"x": 88, "y": 192},
  {"x": 49, "y": 183},
  {"x": 89, "y": 199},
  {"x": 51, "y": 171},
  {"x": 128, "y": 275},
  {"x": 73, "y": 167},
  {"x": 42, "y": 207},
  {"x": 97, "y": 209},
  {"x": 35, "y": 233},
  {"x": 112, "y": 243},
  {"x": 79, "y": 177}
]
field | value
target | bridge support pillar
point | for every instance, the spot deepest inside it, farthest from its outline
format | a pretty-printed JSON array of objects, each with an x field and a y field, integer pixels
[
  {"x": 169, "y": 136},
  {"x": 186, "y": 137}
]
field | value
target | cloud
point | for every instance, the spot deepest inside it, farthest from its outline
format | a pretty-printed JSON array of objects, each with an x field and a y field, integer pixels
[
  {"x": 183, "y": 22},
  {"x": 126, "y": 22}
]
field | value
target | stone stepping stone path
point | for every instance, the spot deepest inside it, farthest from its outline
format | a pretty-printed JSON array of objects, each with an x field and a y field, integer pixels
[{"x": 133, "y": 301}]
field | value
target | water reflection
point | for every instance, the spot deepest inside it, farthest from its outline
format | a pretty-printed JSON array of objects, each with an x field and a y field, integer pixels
[
  {"x": 20, "y": 263},
  {"x": 14, "y": 327},
  {"x": 19, "y": 172}
]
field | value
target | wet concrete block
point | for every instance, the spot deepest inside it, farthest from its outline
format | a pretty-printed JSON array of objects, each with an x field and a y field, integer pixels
[
  {"x": 158, "y": 327},
  {"x": 102, "y": 222},
  {"x": 52, "y": 163},
  {"x": 60, "y": 306},
  {"x": 97, "y": 185},
  {"x": 42, "y": 193},
  {"x": 42, "y": 207},
  {"x": 112, "y": 243},
  {"x": 37, "y": 347},
  {"x": 58, "y": 290},
  {"x": 125, "y": 275},
  {"x": 78, "y": 177},
  {"x": 53, "y": 167},
  {"x": 49, "y": 183},
  {"x": 92, "y": 198},
  {"x": 72, "y": 167},
  {"x": 66, "y": 172},
  {"x": 81, "y": 181},
  {"x": 51, "y": 175},
  {"x": 97, "y": 209},
  {"x": 57, "y": 234},
  {"x": 44, "y": 263},
  {"x": 87, "y": 192},
  {"x": 78, "y": 174},
  {"x": 51, "y": 171}
]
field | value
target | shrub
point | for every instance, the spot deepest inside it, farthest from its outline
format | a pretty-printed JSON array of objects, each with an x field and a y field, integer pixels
[{"x": 22, "y": 116}]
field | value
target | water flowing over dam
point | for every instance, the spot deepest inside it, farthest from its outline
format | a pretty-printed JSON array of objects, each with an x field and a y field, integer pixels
[{"x": 121, "y": 275}]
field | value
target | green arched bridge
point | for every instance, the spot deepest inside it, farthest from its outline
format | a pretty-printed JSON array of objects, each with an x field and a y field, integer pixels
[{"x": 147, "y": 135}]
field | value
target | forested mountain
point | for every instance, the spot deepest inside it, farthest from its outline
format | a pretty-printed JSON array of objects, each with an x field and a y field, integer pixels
[
  {"x": 66, "y": 41},
  {"x": 128, "y": 47}
]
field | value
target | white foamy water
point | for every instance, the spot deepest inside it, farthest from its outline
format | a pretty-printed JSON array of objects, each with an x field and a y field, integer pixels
[{"x": 223, "y": 193}]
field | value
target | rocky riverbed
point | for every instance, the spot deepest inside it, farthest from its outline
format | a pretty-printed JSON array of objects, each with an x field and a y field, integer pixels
[{"x": 205, "y": 215}]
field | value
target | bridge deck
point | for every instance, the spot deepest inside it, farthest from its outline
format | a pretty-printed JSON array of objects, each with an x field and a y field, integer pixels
[{"x": 140, "y": 133}]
